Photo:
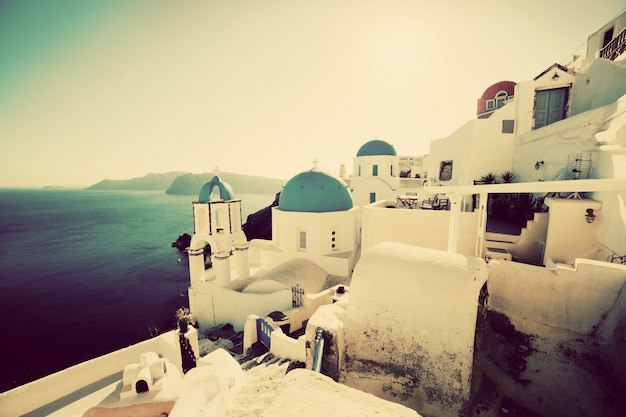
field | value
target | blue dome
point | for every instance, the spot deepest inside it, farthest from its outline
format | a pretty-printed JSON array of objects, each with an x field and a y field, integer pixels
[
  {"x": 315, "y": 192},
  {"x": 226, "y": 193},
  {"x": 376, "y": 147}
]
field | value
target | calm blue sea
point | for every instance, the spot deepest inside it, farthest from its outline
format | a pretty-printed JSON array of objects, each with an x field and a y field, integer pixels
[{"x": 83, "y": 273}]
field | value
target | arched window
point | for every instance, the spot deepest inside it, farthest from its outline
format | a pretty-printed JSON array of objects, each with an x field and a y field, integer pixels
[
  {"x": 501, "y": 98},
  {"x": 302, "y": 240}
]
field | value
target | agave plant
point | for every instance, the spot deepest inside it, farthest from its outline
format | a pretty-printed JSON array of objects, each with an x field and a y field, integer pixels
[
  {"x": 508, "y": 177},
  {"x": 489, "y": 178}
]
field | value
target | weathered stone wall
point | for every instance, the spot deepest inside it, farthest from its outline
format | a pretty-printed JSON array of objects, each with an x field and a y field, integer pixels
[{"x": 409, "y": 327}]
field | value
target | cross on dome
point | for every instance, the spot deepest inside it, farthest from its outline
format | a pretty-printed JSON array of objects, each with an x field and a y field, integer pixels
[{"x": 315, "y": 161}]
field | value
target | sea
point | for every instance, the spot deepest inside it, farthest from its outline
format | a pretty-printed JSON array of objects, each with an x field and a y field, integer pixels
[{"x": 85, "y": 272}]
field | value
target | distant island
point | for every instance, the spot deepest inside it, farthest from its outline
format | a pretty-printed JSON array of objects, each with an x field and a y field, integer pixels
[{"x": 182, "y": 183}]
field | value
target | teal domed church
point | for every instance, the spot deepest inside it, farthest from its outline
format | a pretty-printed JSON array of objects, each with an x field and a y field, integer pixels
[
  {"x": 378, "y": 173},
  {"x": 315, "y": 219}
]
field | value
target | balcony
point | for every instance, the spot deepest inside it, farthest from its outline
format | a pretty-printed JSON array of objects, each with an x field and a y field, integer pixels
[{"x": 614, "y": 48}]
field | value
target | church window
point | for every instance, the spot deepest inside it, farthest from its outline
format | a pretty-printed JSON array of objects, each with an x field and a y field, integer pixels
[
  {"x": 333, "y": 241},
  {"x": 359, "y": 170},
  {"x": 302, "y": 240},
  {"x": 391, "y": 170},
  {"x": 445, "y": 171},
  {"x": 375, "y": 170},
  {"x": 372, "y": 198},
  {"x": 501, "y": 99}
]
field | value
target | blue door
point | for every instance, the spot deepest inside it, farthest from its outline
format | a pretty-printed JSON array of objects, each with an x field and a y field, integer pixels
[{"x": 263, "y": 332}]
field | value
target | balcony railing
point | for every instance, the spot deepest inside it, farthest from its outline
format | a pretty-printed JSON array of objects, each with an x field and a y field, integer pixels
[{"x": 614, "y": 48}]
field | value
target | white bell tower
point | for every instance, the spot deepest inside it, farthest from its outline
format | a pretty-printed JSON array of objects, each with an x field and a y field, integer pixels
[{"x": 217, "y": 221}]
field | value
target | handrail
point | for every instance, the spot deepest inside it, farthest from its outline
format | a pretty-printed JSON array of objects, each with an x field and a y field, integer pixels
[
  {"x": 319, "y": 349},
  {"x": 612, "y": 49}
]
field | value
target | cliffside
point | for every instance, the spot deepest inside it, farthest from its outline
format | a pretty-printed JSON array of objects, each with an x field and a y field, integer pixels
[
  {"x": 146, "y": 183},
  {"x": 259, "y": 224},
  {"x": 181, "y": 183},
  {"x": 190, "y": 184}
]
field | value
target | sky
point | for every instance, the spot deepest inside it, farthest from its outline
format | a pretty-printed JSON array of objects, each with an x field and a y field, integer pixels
[{"x": 94, "y": 89}]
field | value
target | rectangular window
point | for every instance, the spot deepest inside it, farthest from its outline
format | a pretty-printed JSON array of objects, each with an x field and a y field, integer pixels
[
  {"x": 608, "y": 37},
  {"x": 490, "y": 104},
  {"x": 508, "y": 126},
  {"x": 391, "y": 170},
  {"x": 302, "y": 243},
  {"x": 375, "y": 170},
  {"x": 445, "y": 171},
  {"x": 372, "y": 198}
]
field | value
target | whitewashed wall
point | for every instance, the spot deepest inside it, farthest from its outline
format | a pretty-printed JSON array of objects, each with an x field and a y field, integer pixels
[
  {"x": 409, "y": 327},
  {"x": 569, "y": 235},
  {"x": 573, "y": 298},
  {"x": 212, "y": 304},
  {"x": 319, "y": 226},
  {"x": 44, "y": 391},
  {"x": 424, "y": 228},
  {"x": 476, "y": 148}
]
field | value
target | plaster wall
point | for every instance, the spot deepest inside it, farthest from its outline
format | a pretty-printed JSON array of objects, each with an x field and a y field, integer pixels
[
  {"x": 573, "y": 298},
  {"x": 612, "y": 224},
  {"x": 409, "y": 327},
  {"x": 492, "y": 150},
  {"x": 362, "y": 189},
  {"x": 596, "y": 39},
  {"x": 553, "y": 144},
  {"x": 36, "y": 394},
  {"x": 569, "y": 235},
  {"x": 525, "y": 96},
  {"x": 600, "y": 83},
  {"x": 339, "y": 264},
  {"x": 478, "y": 147},
  {"x": 388, "y": 166},
  {"x": 452, "y": 148},
  {"x": 425, "y": 228},
  {"x": 212, "y": 304},
  {"x": 319, "y": 227}
]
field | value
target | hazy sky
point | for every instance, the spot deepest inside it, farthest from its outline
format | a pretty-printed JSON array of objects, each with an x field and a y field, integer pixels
[{"x": 94, "y": 89}]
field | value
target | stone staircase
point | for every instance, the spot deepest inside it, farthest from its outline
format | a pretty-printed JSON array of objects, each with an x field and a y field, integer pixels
[
  {"x": 527, "y": 246},
  {"x": 263, "y": 374},
  {"x": 263, "y": 370}
]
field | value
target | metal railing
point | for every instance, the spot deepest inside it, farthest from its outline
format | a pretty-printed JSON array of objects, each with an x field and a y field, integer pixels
[{"x": 614, "y": 48}]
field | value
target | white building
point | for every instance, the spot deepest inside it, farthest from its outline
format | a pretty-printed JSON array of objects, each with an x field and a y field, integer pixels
[
  {"x": 378, "y": 173},
  {"x": 315, "y": 219}
]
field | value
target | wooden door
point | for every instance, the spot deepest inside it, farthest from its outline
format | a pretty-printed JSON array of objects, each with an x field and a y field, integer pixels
[{"x": 550, "y": 106}]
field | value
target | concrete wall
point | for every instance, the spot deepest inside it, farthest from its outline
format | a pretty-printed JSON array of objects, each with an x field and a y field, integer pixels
[
  {"x": 286, "y": 226},
  {"x": 361, "y": 191},
  {"x": 44, "y": 391},
  {"x": 409, "y": 327},
  {"x": 599, "y": 84},
  {"x": 425, "y": 228},
  {"x": 213, "y": 304},
  {"x": 569, "y": 235},
  {"x": 595, "y": 40},
  {"x": 476, "y": 148},
  {"x": 573, "y": 298}
]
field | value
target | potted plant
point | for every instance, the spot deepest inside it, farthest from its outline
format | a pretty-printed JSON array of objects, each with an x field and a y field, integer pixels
[{"x": 183, "y": 315}]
